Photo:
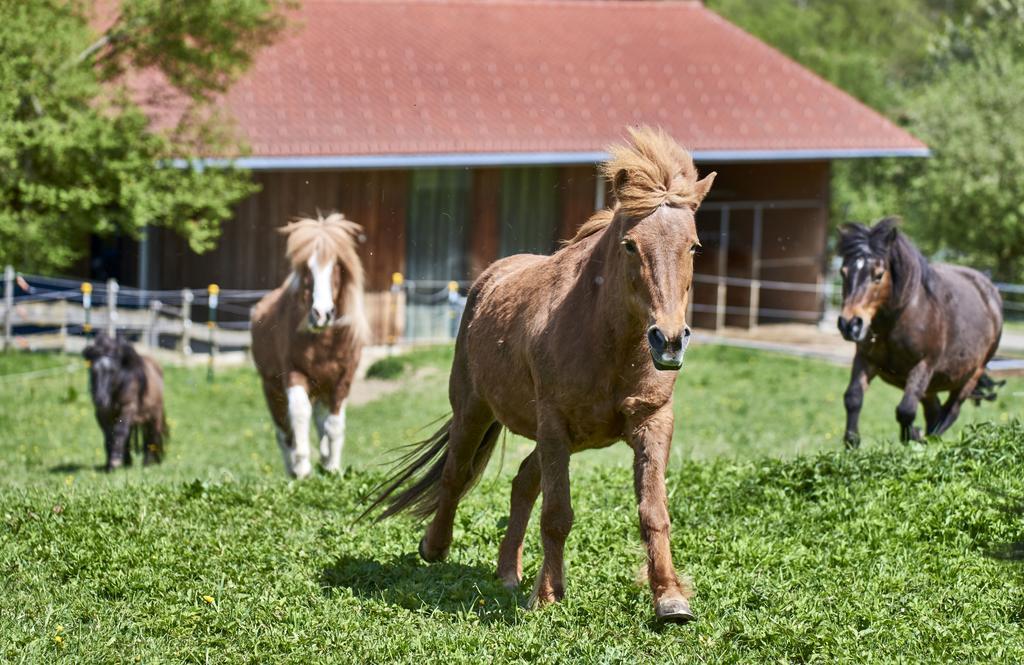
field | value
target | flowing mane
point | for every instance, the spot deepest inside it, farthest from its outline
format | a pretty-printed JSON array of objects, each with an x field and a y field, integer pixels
[
  {"x": 329, "y": 237},
  {"x": 908, "y": 267},
  {"x": 326, "y": 237},
  {"x": 651, "y": 171}
]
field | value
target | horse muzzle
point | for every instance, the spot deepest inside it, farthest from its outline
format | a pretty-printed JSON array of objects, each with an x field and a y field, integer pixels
[
  {"x": 853, "y": 329},
  {"x": 320, "y": 320},
  {"x": 667, "y": 352}
]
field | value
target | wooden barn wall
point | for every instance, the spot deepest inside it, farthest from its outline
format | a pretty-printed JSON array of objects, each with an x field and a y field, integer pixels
[
  {"x": 792, "y": 244},
  {"x": 250, "y": 253}
]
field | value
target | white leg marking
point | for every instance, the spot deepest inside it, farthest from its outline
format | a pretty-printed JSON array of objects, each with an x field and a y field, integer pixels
[
  {"x": 320, "y": 417},
  {"x": 335, "y": 426},
  {"x": 300, "y": 411}
]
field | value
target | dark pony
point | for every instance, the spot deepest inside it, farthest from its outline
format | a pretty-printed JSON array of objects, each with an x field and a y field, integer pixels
[
  {"x": 127, "y": 393},
  {"x": 923, "y": 328}
]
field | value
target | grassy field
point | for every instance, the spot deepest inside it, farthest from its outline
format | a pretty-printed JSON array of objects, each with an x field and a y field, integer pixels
[{"x": 799, "y": 550}]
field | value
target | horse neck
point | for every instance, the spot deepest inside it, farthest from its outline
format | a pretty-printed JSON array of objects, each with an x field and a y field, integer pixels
[{"x": 611, "y": 308}]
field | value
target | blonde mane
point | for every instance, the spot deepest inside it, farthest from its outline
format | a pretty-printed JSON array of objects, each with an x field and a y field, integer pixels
[
  {"x": 651, "y": 171},
  {"x": 331, "y": 237}
]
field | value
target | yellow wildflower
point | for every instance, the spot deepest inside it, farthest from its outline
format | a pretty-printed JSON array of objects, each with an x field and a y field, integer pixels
[{"x": 208, "y": 599}]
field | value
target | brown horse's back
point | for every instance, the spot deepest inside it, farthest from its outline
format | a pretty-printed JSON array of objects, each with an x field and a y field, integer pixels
[
  {"x": 972, "y": 308},
  {"x": 505, "y": 296}
]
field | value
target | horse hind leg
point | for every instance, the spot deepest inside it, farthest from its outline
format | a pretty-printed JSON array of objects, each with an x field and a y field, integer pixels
[
  {"x": 951, "y": 409},
  {"x": 471, "y": 438},
  {"x": 525, "y": 489},
  {"x": 932, "y": 413}
]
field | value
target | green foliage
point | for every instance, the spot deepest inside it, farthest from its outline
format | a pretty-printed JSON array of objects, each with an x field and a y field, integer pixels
[
  {"x": 391, "y": 367},
  {"x": 890, "y": 553},
  {"x": 952, "y": 72},
  {"x": 78, "y": 156},
  {"x": 968, "y": 200}
]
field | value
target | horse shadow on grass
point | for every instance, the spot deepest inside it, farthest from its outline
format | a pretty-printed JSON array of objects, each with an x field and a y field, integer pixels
[
  {"x": 1013, "y": 507},
  {"x": 408, "y": 582}
]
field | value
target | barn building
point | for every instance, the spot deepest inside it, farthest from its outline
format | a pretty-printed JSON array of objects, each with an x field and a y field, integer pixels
[{"x": 460, "y": 131}]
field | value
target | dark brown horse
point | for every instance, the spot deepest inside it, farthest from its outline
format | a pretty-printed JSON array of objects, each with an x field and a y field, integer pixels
[
  {"x": 308, "y": 336},
  {"x": 128, "y": 397},
  {"x": 576, "y": 350},
  {"x": 923, "y": 328}
]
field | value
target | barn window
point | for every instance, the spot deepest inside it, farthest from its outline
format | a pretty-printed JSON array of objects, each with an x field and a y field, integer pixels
[
  {"x": 437, "y": 225},
  {"x": 529, "y": 210}
]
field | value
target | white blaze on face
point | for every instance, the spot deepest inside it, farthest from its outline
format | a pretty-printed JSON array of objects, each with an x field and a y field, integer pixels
[{"x": 323, "y": 293}]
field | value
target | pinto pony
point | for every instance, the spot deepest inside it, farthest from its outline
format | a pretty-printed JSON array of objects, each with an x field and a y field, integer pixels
[
  {"x": 923, "y": 328},
  {"x": 575, "y": 350},
  {"x": 308, "y": 336},
  {"x": 128, "y": 397}
]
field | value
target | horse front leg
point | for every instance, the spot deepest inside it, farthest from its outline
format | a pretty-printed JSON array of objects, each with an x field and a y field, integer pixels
[
  {"x": 913, "y": 391},
  {"x": 300, "y": 413},
  {"x": 651, "y": 440},
  {"x": 853, "y": 399},
  {"x": 120, "y": 432},
  {"x": 334, "y": 433},
  {"x": 556, "y": 514},
  {"x": 525, "y": 488}
]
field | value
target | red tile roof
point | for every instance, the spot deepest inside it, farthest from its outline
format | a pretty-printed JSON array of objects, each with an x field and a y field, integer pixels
[{"x": 429, "y": 77}]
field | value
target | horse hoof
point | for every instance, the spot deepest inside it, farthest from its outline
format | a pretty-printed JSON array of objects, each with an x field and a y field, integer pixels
[
  {"x": 429, "y": 557},
  {"x": 510, "y": 582},
  {"x": 852, "y": 441},
  {"x": 673, "y": 610},
  {"x": 302, "y": 469}
]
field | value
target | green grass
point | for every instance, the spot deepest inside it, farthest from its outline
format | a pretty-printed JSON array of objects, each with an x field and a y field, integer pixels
[{"x": 799, "y": 550}]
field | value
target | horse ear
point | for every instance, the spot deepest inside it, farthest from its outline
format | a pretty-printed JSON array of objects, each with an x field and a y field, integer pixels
[
  {"x": 889, "y": 228},
  {"x": 702, "y": 188},
  {"x": 126, "y": 353},
  {"x": 619, "y": 181}
]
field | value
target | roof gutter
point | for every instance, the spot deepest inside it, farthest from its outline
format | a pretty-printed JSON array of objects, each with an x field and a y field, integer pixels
[{"x": 482, "y": 159}]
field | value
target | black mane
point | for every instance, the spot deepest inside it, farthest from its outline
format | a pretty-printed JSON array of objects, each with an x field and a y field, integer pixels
[{"x": 908, "y": 268}]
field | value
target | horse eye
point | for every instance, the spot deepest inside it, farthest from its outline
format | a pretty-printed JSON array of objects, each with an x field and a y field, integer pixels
[
  {"x": 877, "y": 277},
  {"x": 629, "y": 245},
  {"x": 693, "y": 248}
]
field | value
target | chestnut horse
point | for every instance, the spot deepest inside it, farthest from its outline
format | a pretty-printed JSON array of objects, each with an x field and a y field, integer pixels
[
  {"x": 308, "y": 336},
  {"x": 923, "y": 328},
  {"x": 575, "y": 350}
]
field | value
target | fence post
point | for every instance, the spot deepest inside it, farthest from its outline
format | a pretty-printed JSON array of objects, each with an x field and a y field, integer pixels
[
  {"x": 8, "y": 307},
  {"x": 755, "y": 271},
  {"x": 723, "y": 267},
  {"x": 392, "y": 317},
  {"x": 153, "y": 337},
  {"x": 212, "y": 291},
  {"x": 453, "y": 309},
  {"x": 186, "y": 321},
  {"x": 87, "y": 306},
  {"x": 63, "y": 324},
  {"x": 112, "y": 307}
]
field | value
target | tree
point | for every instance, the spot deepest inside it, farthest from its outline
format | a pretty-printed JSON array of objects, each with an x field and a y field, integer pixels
[
  {"x": 77, "y": 153},
  {"x": 967, "y": 201}
]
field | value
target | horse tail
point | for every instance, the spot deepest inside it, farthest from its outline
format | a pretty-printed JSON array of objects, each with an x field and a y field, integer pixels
[
  {"x": 419, "y": 493},
  {"x": 986, "y": 390}
]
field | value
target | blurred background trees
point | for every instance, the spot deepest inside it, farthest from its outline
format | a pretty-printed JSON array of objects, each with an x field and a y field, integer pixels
[
  {"x": 77, "y": 154},
  {"x": 950, "y": 71}
]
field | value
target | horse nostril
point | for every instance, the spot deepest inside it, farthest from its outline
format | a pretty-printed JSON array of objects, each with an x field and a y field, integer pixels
[
  {"x": 842, "y": 324},
  {"x": 656, "y": 338}
]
